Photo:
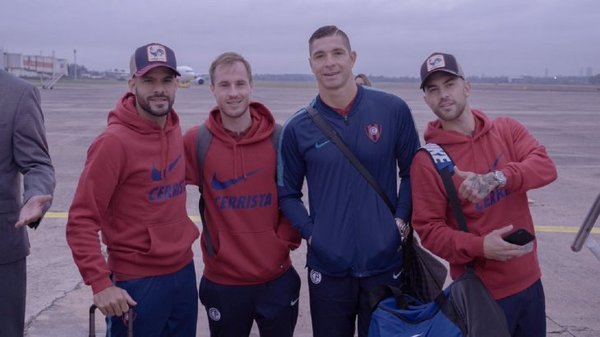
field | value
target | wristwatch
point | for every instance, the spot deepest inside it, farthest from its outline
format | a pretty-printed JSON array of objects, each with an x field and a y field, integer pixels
[{"x": 500, "y": 178}]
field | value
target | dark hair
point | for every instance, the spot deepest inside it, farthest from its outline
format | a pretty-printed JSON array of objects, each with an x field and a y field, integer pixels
[
  {"x": 364, "y": 78},
  {"x": 229, "y": 58},
  {"x": 329, "y": 31}
]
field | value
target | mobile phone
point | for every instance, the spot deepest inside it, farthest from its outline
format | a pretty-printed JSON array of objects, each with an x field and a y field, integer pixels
[{"x": 519, "y": 237}]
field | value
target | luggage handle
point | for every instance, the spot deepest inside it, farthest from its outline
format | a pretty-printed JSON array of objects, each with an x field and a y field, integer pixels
[{"x": 92, "y": 332}]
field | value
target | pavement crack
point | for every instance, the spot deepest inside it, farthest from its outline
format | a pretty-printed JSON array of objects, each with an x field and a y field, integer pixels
[
  {"x": 562, "y": 329},
  {"x": 33, "y": 318}
]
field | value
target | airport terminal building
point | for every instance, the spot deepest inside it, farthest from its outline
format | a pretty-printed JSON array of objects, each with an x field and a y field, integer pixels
[{"x": 48, "y": 68}]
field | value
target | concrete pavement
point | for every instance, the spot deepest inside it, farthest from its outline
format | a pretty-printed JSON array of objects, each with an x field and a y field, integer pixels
[{"x": 566, "y": 120}]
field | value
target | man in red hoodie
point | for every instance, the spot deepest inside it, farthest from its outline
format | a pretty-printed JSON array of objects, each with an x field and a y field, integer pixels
[
  {"x": 132, "y": 190},
  {"x": 497, "y": 162},
  {"x": 246, "y": 242}
]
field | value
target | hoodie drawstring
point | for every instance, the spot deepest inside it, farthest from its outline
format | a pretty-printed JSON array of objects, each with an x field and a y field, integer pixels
[{"x": 238, "y": 151}]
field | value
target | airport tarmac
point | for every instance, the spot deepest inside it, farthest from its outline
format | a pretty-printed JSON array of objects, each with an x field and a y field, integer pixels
[{"x": 565, "y": 119}]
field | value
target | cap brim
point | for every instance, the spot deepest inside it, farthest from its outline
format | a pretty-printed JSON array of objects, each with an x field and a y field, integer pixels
[
  {"x": 437, "y": 71},
  {"x": 146, "y": 69}
]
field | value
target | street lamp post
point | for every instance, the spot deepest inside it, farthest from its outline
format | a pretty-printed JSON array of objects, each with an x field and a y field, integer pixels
[{"x": 75, "y": 64}]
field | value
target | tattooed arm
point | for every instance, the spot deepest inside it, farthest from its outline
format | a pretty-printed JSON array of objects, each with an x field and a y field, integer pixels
[{"x": 476, "y": 187}]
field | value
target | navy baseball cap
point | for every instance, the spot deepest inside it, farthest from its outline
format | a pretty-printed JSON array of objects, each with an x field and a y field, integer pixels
[
  {"x": 151, "y": 56},
  {"x": 440, "y": 62}
]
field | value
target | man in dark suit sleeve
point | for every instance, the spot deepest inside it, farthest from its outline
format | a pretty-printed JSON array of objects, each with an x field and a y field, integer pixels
[{"x": 26, "y": 186}]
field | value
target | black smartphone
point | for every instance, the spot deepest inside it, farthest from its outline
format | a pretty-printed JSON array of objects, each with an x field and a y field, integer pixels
[{"x": 519, "y": 237}]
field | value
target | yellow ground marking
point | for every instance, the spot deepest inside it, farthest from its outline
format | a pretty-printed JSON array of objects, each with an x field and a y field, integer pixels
[
  {"x": 562, "y": 229},
  {"x": 540, "y": 229},
  {"x": 64, "y": 215}
]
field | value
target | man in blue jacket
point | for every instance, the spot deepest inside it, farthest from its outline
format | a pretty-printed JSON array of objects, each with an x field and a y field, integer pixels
[{"x": 354, "y": 240}]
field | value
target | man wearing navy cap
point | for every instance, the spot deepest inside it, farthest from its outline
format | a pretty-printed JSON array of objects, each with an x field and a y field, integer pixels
[
  {"x": 497, "y": 162},
  {"x": 132, "y": 191}
]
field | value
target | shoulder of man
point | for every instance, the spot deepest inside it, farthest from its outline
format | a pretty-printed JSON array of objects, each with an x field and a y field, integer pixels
[{"x": 10, "y": 82}]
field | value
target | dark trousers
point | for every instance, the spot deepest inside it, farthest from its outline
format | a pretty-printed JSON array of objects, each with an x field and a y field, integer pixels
[
  {"x": 337, "y": 303},
  {"x": 526, "y": 312},
  {"x": 167, "y": 305},
  {"x": 231, "y": 310},
  {"x": 13, "y": 287}
]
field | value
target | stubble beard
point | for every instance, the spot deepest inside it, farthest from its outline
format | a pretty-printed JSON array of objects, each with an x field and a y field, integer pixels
[{"x": 453, "y": 114}]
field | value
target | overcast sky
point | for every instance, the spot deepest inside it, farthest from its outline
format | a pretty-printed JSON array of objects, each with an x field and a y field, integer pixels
[{"x": 391, "y": 37}]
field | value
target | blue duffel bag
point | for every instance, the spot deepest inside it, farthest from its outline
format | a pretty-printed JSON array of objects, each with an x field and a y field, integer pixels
[
  {"x": 464, "y": 309},
  {"x": 407, "y": 316}
]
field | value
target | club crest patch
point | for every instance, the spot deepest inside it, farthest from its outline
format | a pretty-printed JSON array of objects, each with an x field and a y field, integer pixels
[
  {"x": 214, "y": 314},
  {"x": 374, "y": 132},
  {"x": 156, "y": 53},
  {"x": 315, "y": 277}
]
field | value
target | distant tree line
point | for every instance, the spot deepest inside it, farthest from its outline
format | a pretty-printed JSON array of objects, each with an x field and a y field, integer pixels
[
  {"x": 595, "y": 79},
  {"x": 83, "y": 72}
]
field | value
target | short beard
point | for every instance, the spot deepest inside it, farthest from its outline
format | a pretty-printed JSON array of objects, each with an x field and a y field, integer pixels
[{"x": 146, "y": 106}]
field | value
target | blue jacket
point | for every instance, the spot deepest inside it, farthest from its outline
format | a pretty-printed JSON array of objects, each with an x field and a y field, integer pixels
[{"x": 352, "y": 230}]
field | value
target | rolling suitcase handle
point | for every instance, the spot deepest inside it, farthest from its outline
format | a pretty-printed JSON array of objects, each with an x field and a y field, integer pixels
[{"x": 93, "y": 321}]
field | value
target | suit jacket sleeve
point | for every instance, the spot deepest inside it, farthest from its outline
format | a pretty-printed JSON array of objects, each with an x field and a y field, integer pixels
[{"x": 30, "y": 148}]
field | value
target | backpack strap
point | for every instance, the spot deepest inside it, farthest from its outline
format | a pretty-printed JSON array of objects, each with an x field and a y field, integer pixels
[
  {"x": 202, "y": 143},
  {"x": 275, "y": 135}
]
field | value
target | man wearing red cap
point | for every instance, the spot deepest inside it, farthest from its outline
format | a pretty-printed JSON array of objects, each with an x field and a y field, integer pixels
[
  {"x": 132, "y": 190},
  {"x": 497, "y": 162}
]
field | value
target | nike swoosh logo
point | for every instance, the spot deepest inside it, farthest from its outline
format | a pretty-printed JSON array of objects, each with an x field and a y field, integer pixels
[
  {"x": 293, "y": 302},
  {"x": 221, "y": 185},
  {"x": 396, "y": 275},
  {"x": 320, "y": 145},
  {"x": 158, "y": 175},
  {"x": 173, "y": 163}
]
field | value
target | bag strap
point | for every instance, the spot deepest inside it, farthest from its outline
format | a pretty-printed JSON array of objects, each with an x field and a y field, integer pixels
[
  {"x": 383, "y": 291},
  {"x": 335, "y": 138},
  {"x": 445, "y": 166}
]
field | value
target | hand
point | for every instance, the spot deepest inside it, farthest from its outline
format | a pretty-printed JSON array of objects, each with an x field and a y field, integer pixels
[
  {"x": 113, "y": 301},
  {"x": 403, "y": 229},
  {"x": 34, "y": 209},
  {"x": 495, "y": 248},
  {"x": 475, "y": 187}
]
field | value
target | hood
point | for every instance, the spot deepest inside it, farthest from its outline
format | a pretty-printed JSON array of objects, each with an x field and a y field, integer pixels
[
  {"x": 262, "y": 125},
  {"x": 436, "y": 134},
  {"x": 125, "y": 113}
]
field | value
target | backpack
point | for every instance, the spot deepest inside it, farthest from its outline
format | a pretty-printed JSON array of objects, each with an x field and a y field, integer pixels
[{"x": 203, "y": 141}]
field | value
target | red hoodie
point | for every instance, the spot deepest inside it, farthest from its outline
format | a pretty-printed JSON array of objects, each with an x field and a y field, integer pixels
[
  {"x": 251, "y": 239},
  {"x": 132, "y": 190},
  {"x": 505, "y": 145}
]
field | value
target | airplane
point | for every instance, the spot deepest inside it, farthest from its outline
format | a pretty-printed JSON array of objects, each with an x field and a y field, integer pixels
[{"x": 189, "y": 77}]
